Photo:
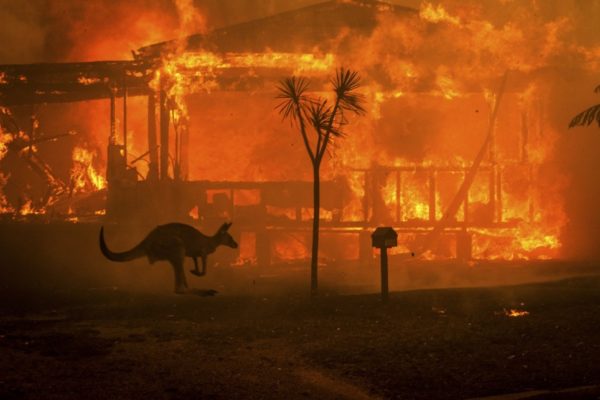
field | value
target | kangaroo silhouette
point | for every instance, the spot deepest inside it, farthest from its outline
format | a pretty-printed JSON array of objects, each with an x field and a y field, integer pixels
[{"x": 173, "y": 242}]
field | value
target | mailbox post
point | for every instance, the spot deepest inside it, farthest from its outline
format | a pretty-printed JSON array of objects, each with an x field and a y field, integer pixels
[{"x": 384, "y": 238}]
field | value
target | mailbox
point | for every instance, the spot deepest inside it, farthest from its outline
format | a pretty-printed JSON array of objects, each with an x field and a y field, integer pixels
[{"x": 384, "y": 237}]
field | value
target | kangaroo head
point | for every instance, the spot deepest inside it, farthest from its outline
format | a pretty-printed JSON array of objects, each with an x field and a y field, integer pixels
[{"x": 224, "y": 237}]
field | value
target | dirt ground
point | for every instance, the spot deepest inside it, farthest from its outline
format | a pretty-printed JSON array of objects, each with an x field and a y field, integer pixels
[{"x": 110, "y": 342}]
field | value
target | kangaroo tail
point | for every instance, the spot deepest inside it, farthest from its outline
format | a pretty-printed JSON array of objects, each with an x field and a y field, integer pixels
[{"x": 128, "y": 255}]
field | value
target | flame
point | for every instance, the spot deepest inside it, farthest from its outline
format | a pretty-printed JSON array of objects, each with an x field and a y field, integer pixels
[
  {"x": 29, "y": 209},
  {"x": 84, "y": 176},
  {"x": 5, "y": 139},
  {"x": 86, "y": 81},
  {"x": 196, "y": 72},
  {"x": 429, "y": 93},
  {"x": 448, "y": 87},
  {"x": 436, "y": 14},
  {"x": 514, "y": 313}
]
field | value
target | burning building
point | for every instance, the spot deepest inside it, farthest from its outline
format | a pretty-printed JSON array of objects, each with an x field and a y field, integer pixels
[{"x": 456, "y": 151}]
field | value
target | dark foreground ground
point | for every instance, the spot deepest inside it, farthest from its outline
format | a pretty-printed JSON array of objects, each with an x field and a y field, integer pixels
[{"x": 427, "y": 344}]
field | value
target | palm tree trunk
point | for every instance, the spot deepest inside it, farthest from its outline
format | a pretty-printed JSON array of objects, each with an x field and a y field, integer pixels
[{"x": 314, "y": 263}]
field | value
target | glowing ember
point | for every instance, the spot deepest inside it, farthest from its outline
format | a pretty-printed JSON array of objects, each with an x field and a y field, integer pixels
[
  {"x": 194, "y": 213},
  {"x": 88, "y": 81},
  {"x": 29, "y": 209},
  {"x": 514, "y": 313}
]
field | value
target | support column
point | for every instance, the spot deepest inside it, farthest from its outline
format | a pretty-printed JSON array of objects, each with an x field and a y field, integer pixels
[
  {"x": 112, "y": 138},
  {"x": 152, "y": 146},
  {"x": 111, "y": 163},
  {"x": 184, "y": 155},
  {"x": 164, "y": 136}
]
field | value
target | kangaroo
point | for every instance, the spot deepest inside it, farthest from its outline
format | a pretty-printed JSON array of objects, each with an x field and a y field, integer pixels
[{"x": 173, "y": 242}]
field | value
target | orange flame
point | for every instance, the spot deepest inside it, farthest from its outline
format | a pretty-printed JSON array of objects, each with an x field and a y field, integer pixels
[
  {"x": 514, "y": 313},
  {"x": 84, "y": 176},
  {"x": 436, "y": 14}
]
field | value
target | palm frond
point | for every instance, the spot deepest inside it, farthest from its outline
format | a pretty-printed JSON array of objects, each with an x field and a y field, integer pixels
[
  {"x": 319, "y": 113},
  {"x": 292, "y": 91},
  {"x": 344, "y": 84},
  {"x": 586, "y": 117}
]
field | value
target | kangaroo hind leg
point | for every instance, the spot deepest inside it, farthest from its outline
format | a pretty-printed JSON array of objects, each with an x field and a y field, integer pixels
[{"x": 176, "y": 260}]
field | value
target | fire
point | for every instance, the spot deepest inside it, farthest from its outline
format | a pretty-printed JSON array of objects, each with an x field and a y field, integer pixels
[
  {"x": 448, "y": 87},
  {"x": 86, "y": 81},
  {"x": 196, "y": 72},
  {"x": 430, "y": 91},
  {"x": 514, "y": 313},
  {"x": 84, "y": 176},
  {"x": 29, "y": 209},
  {"x": 436, "y": 14},
  {"x": 5, "y": 139}
]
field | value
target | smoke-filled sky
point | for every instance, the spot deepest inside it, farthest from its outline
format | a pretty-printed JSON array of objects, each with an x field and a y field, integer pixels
[
  {"x": 58, "y": 30},
  {"x": 74, "y": 30}
]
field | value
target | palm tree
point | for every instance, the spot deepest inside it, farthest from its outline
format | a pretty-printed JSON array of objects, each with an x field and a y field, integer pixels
[
  {"x": 326, "y": 121},
  {"x": 588, "y": 116}
]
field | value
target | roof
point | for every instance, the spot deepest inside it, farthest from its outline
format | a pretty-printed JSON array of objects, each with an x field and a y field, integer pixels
[
  {"x": 68, "y": 82},
  {"x": 300, "y": 30}
]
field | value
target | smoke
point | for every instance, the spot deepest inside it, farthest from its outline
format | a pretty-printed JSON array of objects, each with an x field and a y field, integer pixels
[
  {"x": 21, "y": 31},
  {"x": 72, "y": 30}
]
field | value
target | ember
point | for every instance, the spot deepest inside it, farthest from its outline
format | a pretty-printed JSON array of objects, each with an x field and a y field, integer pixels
[{"x": 515, "y": 313}]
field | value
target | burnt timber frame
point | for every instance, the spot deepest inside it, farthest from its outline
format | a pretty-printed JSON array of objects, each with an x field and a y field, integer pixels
[{"x": 71, "y": 82}]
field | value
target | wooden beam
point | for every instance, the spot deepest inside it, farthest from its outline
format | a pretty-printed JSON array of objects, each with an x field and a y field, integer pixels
[
  {"x": 164, "y": 136},
  {"x": 152, "y": 144}
]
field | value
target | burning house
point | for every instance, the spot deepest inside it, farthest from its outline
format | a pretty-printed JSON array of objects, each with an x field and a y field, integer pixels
[{"x": 455, "y": 152}]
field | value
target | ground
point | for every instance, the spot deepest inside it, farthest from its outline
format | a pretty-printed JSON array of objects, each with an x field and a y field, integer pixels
[{"x": 278, "y": 344}]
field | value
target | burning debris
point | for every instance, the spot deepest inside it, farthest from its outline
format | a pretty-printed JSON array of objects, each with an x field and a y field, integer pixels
[
  {"x": 34, "y": 187},
  {"x": 515, "y": 313},
  {"x": 84, "y": 177}
]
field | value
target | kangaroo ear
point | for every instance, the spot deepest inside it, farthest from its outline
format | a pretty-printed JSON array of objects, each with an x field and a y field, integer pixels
[{"x": 224, "y": 227}]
